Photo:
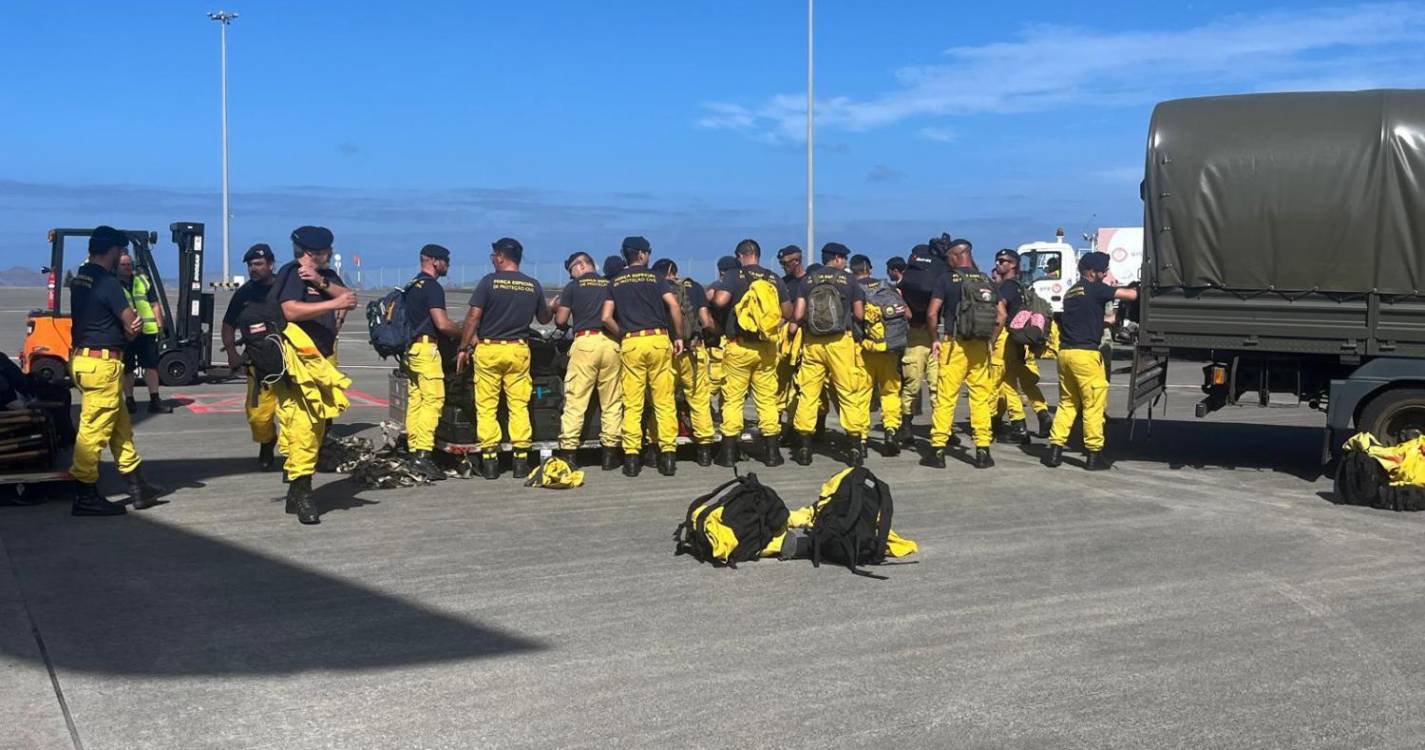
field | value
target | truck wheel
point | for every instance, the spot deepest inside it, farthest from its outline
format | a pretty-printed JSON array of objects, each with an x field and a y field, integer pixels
[
  {"x": 49, "y": 370},
  {"x": 177, "y": 368},
  {"x": 1394, "y": 415}
]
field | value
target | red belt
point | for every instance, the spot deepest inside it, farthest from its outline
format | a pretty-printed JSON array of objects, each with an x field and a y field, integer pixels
[
  {"x": 503, "y": 341},
  {"x": 588, "y": 332},
  {"x": 646, "y": 332},
  {"x": 99, "y": 353}
]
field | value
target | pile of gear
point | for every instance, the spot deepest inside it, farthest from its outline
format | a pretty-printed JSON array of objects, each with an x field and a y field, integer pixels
[
  {"x": 744, "y": 520},
  {"x": 384, "y": 468},
  {"x": 1389, "y": 477}
]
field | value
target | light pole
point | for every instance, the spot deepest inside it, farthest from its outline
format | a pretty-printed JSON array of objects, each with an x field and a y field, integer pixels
[
  {"x": 811, "y": 132},
  {"x": 224, "y": 18}
]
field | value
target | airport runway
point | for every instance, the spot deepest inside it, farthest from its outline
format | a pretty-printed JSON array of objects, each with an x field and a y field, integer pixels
[{"x": 1204, "y": 593}]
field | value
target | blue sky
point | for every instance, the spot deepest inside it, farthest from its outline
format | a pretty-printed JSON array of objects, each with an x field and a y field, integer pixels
[{"x": 571, "y": 124}]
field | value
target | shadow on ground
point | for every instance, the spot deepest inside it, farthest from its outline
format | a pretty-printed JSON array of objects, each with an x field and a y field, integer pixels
[
  {"x": 131, "y": 596},
  {"x": 1195, "y": 444}
]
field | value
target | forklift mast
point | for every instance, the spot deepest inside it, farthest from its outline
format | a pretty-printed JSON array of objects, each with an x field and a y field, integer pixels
[{"x": 193, "y": 323}]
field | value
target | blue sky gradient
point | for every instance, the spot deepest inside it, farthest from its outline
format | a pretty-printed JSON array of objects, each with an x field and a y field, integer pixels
[{"x": 571, "y": 124}]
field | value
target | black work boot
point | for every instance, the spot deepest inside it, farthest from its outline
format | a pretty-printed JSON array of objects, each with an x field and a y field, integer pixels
[
  {"x": 892, "y": 444},
  {"x": 569, "y": 457},
  {"x": 632, "y": 464},
  {"x": 267, "y": 455},
  {"x": 422, "y": 462},
  {"x": 858, "y": 452},
  {"x": 820, "y": 433},
  {"x": 1094, "y": 461},
  {"x": 300, "y": 501},
  {"x": 774, "y": 451},
  {"x": 490, "y": 466},
  {"x": 610, "y": 458},
  {"x": 521, "y": 464},
  {"x": 935, "y": 459},
  {"x": 131, "y": 404},
  {"x": 802, "y": 452},
  {"x": 1018, "y": 433},
  {"x": 727, "y": 455},
  {"x": 1046, "y": 422},
  {"x": 907, "y": 435},
  {"x": 954, "y": 439},
  {"x": 667, "y": 463},
  {"x": 983, "y": 460},
  {"x": 156, "y": 405},
  {"x": 650, "y": 455},
  {"x": 704, "y": 454},
  {"x": 88, "y": 502},
  {"x": 143, "y": 494},
  {"x": 1054, "y": 457}
]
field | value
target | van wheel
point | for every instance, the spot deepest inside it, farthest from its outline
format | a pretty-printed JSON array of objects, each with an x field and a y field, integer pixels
[
  {"x": 49, "y": 370},
  {"x": 1395, "y": 416}
]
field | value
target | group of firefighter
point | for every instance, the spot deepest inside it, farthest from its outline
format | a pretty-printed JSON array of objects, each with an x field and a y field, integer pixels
[{"x": 643, "y": 339}]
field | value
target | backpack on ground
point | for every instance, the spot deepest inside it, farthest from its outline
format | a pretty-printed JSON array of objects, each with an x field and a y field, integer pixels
[
  {"x": 826, "y": 311},
  {"x": 978, "y": 312},
  {"x": 734, "y": 523},
  {"x": 682, "y": 291},
  {"x": 1031, "y": 325},
  {"x": 759, "y": 312},
  {"x": 389, "y": 325},
  {"x": 885, "y": 330},
  {"x": 852, "y": 521},
  {"x": 259, "y": 332}
]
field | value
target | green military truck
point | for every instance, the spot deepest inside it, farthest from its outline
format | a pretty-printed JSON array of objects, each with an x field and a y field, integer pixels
[{"x": 1285, "y": 246}]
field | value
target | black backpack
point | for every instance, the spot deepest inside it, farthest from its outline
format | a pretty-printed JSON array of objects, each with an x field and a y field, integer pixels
[
  {"x": 852, "y": 526},
  {"x": 978, "y": 311},
  {"x": 259, "y": 330},
  {"x": 918, "y": 284},
  {"x": 826, "y": 309},
  {"x": 389, "y": 325},
  {"x": 753, "y": 511}
]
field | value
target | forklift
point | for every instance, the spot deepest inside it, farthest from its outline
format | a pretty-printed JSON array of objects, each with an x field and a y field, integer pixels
[{"x": 185, "y": 341}]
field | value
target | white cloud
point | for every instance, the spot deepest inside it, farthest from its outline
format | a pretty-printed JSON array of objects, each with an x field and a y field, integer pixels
[
  {"x": 1048, "y": 67},
  {"x": 943, "y": 135}
]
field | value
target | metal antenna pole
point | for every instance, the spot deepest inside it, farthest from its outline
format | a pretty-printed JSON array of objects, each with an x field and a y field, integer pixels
[
  {"x": 811, "y": 133},
  {"x": 224, "y": 18}
]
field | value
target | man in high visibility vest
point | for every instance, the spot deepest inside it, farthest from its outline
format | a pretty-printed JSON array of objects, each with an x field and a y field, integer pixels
[{"x": 143, "y": 350}]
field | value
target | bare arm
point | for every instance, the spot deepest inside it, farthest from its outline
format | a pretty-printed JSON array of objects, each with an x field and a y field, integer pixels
[
  {"x": 230, "y": 345},
  {"x": 561, "y": 315},
  {"x": 467, "y": 337},
  {"x": 131, "y": 322},
  {"x": 675, "y": 314},
  {"x": 858, "y": 309},
  {"x": 705, "y": 319},
  {"x": 296, "y": 311},
  {"x": 606, "y": 316},
  {"x": 443, "y": 323},
  {"x": 722, "y": 298},
  {"x": 1127, "y": 293}
]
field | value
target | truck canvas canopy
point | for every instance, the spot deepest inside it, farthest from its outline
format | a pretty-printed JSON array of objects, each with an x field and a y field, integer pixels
[{"x": 1240, "y": 196}]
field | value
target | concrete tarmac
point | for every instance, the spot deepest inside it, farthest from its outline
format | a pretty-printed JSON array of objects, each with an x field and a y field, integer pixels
[{"x": 1204, "y": 593}]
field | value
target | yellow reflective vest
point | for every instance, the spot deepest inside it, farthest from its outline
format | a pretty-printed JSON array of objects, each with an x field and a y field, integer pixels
[{"x": 138, "y": 299}]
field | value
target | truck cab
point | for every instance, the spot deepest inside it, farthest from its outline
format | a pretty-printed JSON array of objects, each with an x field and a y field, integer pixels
[{"x": 1051, "y": 268}]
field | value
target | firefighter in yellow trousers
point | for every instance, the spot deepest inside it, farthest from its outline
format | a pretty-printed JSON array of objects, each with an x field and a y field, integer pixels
[
  {"x": 496, "y": 330},
  {"x": 882, "y": 361},
  {"x": 425, "y": 371},
  {"x": 1083, "y": 386},
  {"x": 651, "y": 320},
  {"x": 1015, "y": 370},
  {"x": 830, "y": 305},
  {"x": 587, "y": 307},
  {"x": 971, "y": 329},
  {"x": 691, "y": 368},
  {"x": 261, "y": 404},
  {"x": 311, "y": 295},
  {"x": 103, "y": 324}
]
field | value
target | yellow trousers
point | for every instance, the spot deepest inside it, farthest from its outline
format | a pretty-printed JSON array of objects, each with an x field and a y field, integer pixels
[
  {"x": 425, "y": 394},
  {"x": 593, "y": 366},
  {"x": 963, "y": 362},
  {"x": 1019, "y": 373},
  {"x": 262, "y": 417},
  {"x": 502, "y": 367},
  {"x": 837, "y": 357},
  {"x": 884, "y": 371},
  {"x": 715, "y": 372},
  {"x": 647, "y": 364},
  {"x": 1083, "y": 388},
  {"x": 690, "y": 369},
  {"x": 748, "y": 363},
  {"x": 789, "y": 354},
  {"x": 103, "y": 418},
  {"x": 917, "y": 367}
]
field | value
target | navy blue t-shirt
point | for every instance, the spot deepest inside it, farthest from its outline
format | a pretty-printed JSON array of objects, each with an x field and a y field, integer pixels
[
  {"x": 510, "y": 301},
  {"x": 585, "y": 297},
  {"x": 738, "y": 281},
  {"x": 423, "y": 294},
  {"x": 321, "y": 329},
  {"x": 1013, "y": 297},
  {"x": 638, "y": 299},
  {"x": 947, "y": 290},
  {"x": 96, "y": 303},
  {"x": 839, "y": 278},
  {"x": 1082, "y": 323},
  {"x": 251, "y": 291}
]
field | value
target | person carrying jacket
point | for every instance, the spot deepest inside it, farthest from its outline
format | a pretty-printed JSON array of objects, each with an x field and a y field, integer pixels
[
  {"x": 651, "y": 320},
  {"x": 832, "y": 355},
  {"x": 586, "y": 307},
  {"x": 496, "y": 333},
  {"x": 749, "y": 357}
]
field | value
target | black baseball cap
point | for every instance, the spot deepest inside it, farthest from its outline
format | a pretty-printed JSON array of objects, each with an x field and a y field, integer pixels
[
  {"x": 1006, "y": 253},
  {"x": 435, "y": 252},
  {"x": 260, "y": 250},
  {"x": 105, "y": 237},
  {"x": 312, "y": 238},
  {"x": 1094, "y": 261},
  {"x": 833, "y": 250}
]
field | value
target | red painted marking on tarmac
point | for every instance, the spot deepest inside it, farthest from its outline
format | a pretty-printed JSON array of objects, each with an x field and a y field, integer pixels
[{"x": 226, "y": 403}]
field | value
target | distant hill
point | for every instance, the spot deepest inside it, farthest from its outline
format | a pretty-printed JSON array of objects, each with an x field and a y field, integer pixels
[{"x": 21, "y": 276}]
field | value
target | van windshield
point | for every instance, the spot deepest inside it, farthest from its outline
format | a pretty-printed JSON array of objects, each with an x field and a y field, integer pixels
[{"x": 1037, "y": 265}]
